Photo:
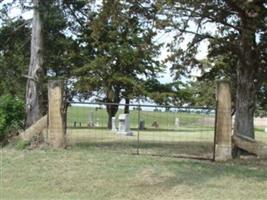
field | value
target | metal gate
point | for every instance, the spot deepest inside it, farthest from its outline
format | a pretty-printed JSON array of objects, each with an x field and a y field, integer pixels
[{"x": 153, "y": 130}]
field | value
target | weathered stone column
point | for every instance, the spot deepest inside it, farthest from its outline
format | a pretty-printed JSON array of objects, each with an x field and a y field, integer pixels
[
  {"x": 223, "y": 141},
  {"x": 56, "y": 119}
]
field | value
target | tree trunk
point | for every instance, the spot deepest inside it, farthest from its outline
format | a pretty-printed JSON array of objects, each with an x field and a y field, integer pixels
[
  {"x": 111, "y": 110},
  {"x": 35, "y": 73},
  {"x": 245, "y": 102},
  {"x": 246, "y": 80},
  {"x": 127, "y": 107}
]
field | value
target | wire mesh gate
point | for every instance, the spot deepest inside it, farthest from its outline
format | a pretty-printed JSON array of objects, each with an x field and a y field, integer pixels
[{"x": 154, "y": 130}]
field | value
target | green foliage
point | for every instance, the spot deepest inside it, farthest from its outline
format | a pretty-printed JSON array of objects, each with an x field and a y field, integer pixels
[
  {"x": 200, "y": 93},
  {"x": 160, "y": 93},
  {"x": 11, "y": 115},
  {"x": 60, "y": 50},
  {"x": 236, "y": 33},
  {"x": 119, "y": 50},
  {"x": 21, "y": 144},
  {"x": 14, "y": 57}
]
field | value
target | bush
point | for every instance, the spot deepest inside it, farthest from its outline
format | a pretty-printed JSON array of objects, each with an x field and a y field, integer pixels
[
  {"x": 11, "y": 115},
  {"x": 21, "y": 144}
]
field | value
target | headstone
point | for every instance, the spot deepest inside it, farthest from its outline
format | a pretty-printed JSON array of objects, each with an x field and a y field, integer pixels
[
  {"x": 113, "y": 124},
  {"x": 142, "y": 125},
  {"x": 177, "y": 122},
  {"x": 90, "y": 119},
  {"x": 124, "y": 125},
  {"x": 155, "y": 124},
  {"x": 97, "y": 124},
  {"x": 265, "y": 130}
]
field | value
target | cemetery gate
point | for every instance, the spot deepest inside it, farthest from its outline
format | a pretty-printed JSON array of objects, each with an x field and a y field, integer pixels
[{"x": 146, "y": 129}]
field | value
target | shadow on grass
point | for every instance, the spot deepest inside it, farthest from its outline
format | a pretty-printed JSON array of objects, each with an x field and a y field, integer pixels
[
  {"x": 192, "y": 172},
  {"x": 192, "y": 150},
  {"x": 189, "y": 129}
]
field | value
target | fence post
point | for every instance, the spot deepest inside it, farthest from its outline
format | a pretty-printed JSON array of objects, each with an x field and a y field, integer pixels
[
  {"x": 223, "y": 134},
  {"x": 138, "y": 130},
  {"x": 56, "y": 119}
]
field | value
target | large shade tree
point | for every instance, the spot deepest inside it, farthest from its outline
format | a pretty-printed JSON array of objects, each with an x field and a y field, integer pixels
[
  {"x": 119, "y": 52},
  {"x": 236, "y": 27},
  {"x": 49, "y": 47}
]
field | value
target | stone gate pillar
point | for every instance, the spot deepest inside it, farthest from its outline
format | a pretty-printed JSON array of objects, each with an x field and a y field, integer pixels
[
  {"x": 56, "y": 119},
  {"x": 223, "y": 126}
]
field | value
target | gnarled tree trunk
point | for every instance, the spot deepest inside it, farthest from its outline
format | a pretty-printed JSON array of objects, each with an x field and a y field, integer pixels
[
  {"x": 246, "y": 80},
  {"x": 35, "y": 74},
  {"x": 245, "y": 102}
]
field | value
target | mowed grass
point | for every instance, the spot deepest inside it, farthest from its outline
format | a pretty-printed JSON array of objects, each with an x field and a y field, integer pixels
[
  {"x": 88, "y": 172},
  {"x": 182, "y": 142},
  {"x": 101, "y": 165}
]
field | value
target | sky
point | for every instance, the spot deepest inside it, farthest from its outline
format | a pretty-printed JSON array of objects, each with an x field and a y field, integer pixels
[{"x": 164, "y": 77}]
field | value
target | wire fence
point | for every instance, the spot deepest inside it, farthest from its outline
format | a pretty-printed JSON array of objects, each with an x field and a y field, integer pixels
[{"x": 147, "y": 129}]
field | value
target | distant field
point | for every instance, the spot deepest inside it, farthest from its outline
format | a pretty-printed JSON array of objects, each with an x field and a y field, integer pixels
[
  {"x": 164, "y": 119},
  {"x": 194, "y": 130},
  {"x": 192, "y": 125},
  {"x": 261, "y": 136}
]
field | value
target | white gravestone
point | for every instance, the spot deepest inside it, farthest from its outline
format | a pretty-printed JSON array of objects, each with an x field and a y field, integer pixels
[
  {"x": 91, "y": 119},
  {"x": 124, "y": 125},
  {"x": 177, "y": 122},
  {"x": 113, "y": 124},
  {"x": 97, "y": 124}
]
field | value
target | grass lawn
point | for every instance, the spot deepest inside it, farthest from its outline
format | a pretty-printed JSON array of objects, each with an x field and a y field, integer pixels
[
  {"x": 183, "y": 142},
  {"x": 100, "y": 165},
  {"x": 107, "y": 172}
]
